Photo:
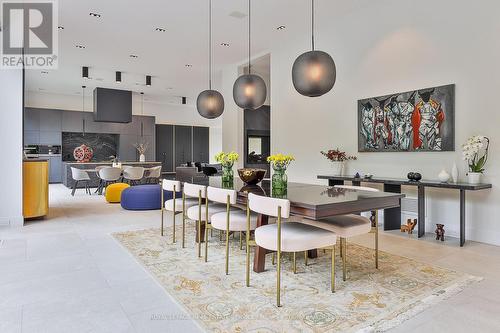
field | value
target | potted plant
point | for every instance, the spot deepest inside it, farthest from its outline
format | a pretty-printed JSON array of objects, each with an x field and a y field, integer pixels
[
  {"x": 141, "y": 149},
  {"x": 475, "y": 153},
  {"x": 280, "y": 163},
  {"x": 338, "y": 159},
  {"x": 227, "y": 161}
]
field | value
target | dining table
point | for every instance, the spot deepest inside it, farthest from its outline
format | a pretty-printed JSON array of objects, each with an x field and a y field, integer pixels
[{"x": 306, "y": 201}]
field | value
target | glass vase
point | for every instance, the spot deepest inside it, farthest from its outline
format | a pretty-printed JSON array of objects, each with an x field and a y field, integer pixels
[
  {"x": 279, "y": 180},
  {"x": 227, "y": 174}
]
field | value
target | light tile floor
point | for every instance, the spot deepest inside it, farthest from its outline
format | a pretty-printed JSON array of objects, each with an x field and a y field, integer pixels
[{"x": 67, "y": 274}]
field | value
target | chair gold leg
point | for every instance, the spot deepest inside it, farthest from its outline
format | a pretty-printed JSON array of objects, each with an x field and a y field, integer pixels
[
  {"x": 344, "y": 259},
  {"x": 241, "y": 240},
  {"x": 162, "y": 205},
  {"x": 227, "y": 252},
  {"x": 294, "y": 263},
  {"x": 161, "y": 228},
  {"x": 333, "y": 270},
  {"x": 206, "y": 241},
  {"x": 173, "y": 228},
  {"x": 305, "y": 258},
  {"x": 273, "y": 260},
  {"x": 183, "y": 221},
  {"x": 376, "y": 239},
  {"x": 278, "y": 280}
]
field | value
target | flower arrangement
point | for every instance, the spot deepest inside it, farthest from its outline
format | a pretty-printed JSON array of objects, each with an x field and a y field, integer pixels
[
  {"x": 280, "y": 161},
  {"x": 227, "y": 159},
  {"x": 141, "y": 147},
  {"x": 335, "y": 155},
  {"x": 475, "y": 152}
]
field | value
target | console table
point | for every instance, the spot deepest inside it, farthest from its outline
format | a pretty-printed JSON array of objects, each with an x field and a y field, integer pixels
[{"x": 392, "y": 216}]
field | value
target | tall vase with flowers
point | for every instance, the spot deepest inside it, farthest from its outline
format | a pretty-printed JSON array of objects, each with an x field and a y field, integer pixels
[
  {"x": 279, "y": 181},
  {"x": 475, "y": 153},
  {"x": 141, "y": 149},
  {"x": 227, "y": 161},
  {"x": 338, "y": 159}
]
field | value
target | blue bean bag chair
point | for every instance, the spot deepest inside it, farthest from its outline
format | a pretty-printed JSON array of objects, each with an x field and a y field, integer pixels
[{"x": 144, "y": 197}]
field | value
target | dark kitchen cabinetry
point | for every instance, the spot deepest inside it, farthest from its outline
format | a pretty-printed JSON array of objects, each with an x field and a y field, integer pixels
[
  {"x": 183, "y": 144},
  {"x": 201, "y": 144},
  {"x": 55, "y": 169},
  {"x": 165, "y": 147}
]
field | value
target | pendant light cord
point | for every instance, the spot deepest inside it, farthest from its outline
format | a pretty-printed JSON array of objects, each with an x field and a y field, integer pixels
[
  {"x": 210, "y": 45},
  {"x": 312, "y": 24},
  {"x": 249, "y": 37}
]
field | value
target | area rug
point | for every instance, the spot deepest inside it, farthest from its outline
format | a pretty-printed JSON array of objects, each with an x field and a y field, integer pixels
[{"x": 370, "y": 300}]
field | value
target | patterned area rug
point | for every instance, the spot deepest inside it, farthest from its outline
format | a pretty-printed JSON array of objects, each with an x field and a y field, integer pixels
[{"x": 370, "y": 300}]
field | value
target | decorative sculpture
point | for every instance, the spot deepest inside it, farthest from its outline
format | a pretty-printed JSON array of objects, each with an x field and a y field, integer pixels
[
  {"x": 440, "y": 232},
  {"x": 410, "y": 225}
]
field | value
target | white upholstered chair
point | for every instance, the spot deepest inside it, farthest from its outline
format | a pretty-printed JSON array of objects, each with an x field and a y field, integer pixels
[
  {"x": 200, "y": 212},
  {"x": 286, "y": 237},
  {"x": 133, "y": 174},
  {"x": 108, "y": 175},
  {"x": 80, "y": 175},
  {"x": 231, "y": 220},
  {"x": 351, "y": 225},
  {"x": 152, "y": 174},
  {"x": 175, "y": 205}
]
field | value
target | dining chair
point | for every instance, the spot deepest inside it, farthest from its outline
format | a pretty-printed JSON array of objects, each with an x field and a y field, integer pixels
[
  {"x": 175, "y": 205},
  {"x": 153, "y": 174},
  {"x": 232, "y": 220},
  {"x": 99, "y": 186},
  {"x": 80, "y": 175},
  {"x": 133, "y": 174},
  {"x": 196, "y": 213},
  {"x": 109, "y": 175},
  {"x": 285, "y": 237},
  {"x": 351, "y": 225}
]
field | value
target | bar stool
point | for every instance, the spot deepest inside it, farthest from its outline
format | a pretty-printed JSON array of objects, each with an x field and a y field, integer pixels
[
  {"x": 196, "y": 213},
  {"x": 173, "y": 205},
  {"x": 351, "y": 225},
  {"x": 133, "y": 174},
  {"x": 286, "y": 237},
  {"x": 232, "y": 220},
  {"x": 80, "y": 175}
]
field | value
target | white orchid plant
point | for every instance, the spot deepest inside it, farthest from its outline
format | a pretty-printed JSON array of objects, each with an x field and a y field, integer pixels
[{"x": 475, "y": 152}]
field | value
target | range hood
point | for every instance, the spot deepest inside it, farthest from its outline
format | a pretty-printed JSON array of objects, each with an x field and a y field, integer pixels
[{"x": 112, "y": 105}]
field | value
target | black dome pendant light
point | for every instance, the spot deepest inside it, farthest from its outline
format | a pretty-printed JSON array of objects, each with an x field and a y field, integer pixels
[
  {"x": 210, "y": 103},
  {"x": 313, "y": 72},
  {"x": 249, "y": 90}
]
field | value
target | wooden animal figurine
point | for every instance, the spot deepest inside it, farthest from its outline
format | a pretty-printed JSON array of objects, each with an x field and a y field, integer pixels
[
  {"x": 410, "y": 225},
  {"x": 440, "y": 232}
]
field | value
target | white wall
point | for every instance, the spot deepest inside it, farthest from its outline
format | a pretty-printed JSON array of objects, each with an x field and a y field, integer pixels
[
  {"x": 176, "y": 114},
  {"x": 390, "y": 46},
  {"x": 11, "y": 135}
]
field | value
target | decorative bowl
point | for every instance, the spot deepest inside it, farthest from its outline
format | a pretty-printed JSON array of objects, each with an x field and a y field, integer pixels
[{"x": 251, "y": 176}]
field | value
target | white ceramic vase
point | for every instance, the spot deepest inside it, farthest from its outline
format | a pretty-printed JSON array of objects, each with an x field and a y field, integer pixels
[
  {"x": 474, "y": 177},
  {"x": 338, "y": 168},
  {"x": 142, "y": 158},
  {"x": 454, "y": 173},
  {"x": 443, "y": 176}
]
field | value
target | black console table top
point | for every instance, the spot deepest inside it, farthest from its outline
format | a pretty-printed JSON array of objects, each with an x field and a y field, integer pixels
[
  {"x": 392, "y": 216},
  {"x": 400, "y": 181}
]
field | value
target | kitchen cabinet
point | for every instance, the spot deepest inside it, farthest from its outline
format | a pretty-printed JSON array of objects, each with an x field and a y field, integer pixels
[
  {"x": 50, "y": 138},
  {"x": 31, "y": 119},
  {"x": 31, "y": 137},
  {"x": 183, "y": 144},
  {"x": 50, "y": 120},
  {"x": 126, "y": 149},
  {"x": 55, "y": 169},
  {"x": 165, "y": 147},
  {"x": 201, "y": 144},
  {"x": 72, "y": 121}
]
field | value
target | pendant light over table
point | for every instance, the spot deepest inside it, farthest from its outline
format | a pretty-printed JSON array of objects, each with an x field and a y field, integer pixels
[
  {"x": 210, "y": 103},
  {"x": 314, "y": 72},
  {"x": 249, "y": 90}
]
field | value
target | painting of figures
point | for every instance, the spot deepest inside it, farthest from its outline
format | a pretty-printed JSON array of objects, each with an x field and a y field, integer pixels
[{"x": 420, "y": 120}]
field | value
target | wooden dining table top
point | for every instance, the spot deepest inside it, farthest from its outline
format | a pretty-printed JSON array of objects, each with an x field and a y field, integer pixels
[{"x": 313, "y": 201}]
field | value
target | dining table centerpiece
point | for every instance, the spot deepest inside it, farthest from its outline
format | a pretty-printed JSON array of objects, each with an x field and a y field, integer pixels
[
  {"x": 227, "y": 161},
  {"x": 142, "y": 148},
  {"x": 279, "y": 163},
  {"x": 338, "y": 159},
  {"x": 475, "y": 153}
]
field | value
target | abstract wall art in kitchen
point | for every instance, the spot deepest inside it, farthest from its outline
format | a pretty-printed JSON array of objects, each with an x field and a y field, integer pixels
[{"x": 419, "y": 120}]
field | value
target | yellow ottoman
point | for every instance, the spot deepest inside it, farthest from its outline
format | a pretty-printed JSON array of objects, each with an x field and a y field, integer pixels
[{"x": 114, "y": 192}]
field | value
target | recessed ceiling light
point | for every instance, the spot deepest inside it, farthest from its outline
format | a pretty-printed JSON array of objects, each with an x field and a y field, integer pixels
[
  {"x": 60, "y": 27},
  {"x": 44, "y": 72},
  {"x": 281, "y": 27},
  {"x": 41, "y": 89},
  {"x": 95, "y": 15},
  {"x": 188, "y": 65},
  {"x": 79, "y": 46},
  {"x": 160, "y": 29},
  {"x": 238, "y": 15},
  {"x": 133, "y": 56},
  {"x": 225, "y": 44}
]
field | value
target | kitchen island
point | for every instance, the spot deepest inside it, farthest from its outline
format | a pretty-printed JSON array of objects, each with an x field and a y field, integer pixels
[{"x": 94, "y": 180}]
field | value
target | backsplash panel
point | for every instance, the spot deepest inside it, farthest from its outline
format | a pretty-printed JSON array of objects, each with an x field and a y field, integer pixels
[{"x": 103, "y": 145}]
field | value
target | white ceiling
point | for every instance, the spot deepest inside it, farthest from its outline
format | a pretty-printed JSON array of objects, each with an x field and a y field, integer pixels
[{"x": 128, "y": 27}]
